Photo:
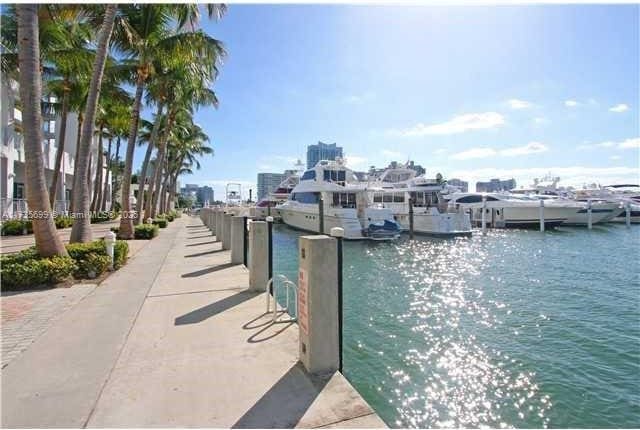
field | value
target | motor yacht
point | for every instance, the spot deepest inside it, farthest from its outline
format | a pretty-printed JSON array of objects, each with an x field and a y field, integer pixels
[
  {"x": 268, "y": 205},
  {"x": 432, "y": 214},
  {"x": 601, "y": 210},
  {"x": 344, "y": 202},
  {"x": 505, "y": 210}
]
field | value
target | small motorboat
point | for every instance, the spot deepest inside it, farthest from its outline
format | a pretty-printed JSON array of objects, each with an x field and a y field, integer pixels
[{"x": 387, "y": 230}]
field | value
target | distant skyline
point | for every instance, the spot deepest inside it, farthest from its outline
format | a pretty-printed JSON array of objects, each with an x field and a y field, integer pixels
[{"x": 466, "y": 91}]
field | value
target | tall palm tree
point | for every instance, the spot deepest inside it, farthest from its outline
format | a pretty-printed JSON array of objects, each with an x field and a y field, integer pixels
[
  {"x": 81, "y": 230},
  {"x": 147, "y": 37},
  {"x": 47, "y": 240},
  {"x": 71, "y": 62}
]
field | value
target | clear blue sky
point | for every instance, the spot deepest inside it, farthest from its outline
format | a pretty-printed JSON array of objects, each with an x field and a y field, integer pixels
[{"x": 470, "y": 92}]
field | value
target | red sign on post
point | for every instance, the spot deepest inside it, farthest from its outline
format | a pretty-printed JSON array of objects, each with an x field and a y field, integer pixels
[{"x": 303, "y": 316}]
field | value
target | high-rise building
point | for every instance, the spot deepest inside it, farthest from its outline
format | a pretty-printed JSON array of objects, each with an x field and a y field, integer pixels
[
  {"x": 322, "y": 151},
  {"x": 495, "y": 185},
  {"x": 463, "y": 185},
  {"x": 205, "y": 195},
  {"x": 267, "y": 182}
]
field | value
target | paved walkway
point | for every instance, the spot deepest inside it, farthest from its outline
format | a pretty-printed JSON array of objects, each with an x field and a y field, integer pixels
[
  {"x": 26, "y": 314},
  {"x": 10, "y": 244},
  {"x": 174, "y": 340}
]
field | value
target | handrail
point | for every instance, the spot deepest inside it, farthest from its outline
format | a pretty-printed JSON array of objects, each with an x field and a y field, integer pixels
[{"x": 287, "y": 284}]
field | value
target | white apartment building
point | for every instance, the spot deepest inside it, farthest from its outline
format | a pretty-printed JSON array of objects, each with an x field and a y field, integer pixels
[{"x": 12, "y": 156}]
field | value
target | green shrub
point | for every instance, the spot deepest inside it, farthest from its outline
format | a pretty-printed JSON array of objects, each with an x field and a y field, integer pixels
[
  {"x": 170, "y": 217},
  {"x": 91, "y": 265},
  {"x": 19, "y": 257},
  {"x": 63, "y": 221},
  {"x": 16, "y": 227},
  {"x": 36, "y": 271},
  {"x": 120, "y": 253},
  {"x": 146, "y": 231},
  {"x": 161, "y": 222}
]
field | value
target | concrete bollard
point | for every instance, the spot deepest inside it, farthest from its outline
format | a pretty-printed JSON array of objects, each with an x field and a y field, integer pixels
[
  {"x": 219, "y": 226},
  {"x": 259, "y": 258},
  {"x": 318, "y": 304},
  {"x": 110, "y": 242},
  {"x": 237, "y": 240},
  {"x": 212, "y": 221},
  {"x": 589, "y": 215},
  {"x": 541, "y": 215},
  {"x": 226, "y": 231}
]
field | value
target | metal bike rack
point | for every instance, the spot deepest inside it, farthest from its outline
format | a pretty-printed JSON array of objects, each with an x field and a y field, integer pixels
[{"x": 272, "y": 293}]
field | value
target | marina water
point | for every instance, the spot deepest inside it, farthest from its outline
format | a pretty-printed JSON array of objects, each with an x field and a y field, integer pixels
[{"x": 515, "y": 329}]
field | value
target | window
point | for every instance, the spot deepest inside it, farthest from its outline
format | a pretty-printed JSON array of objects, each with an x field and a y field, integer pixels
[
  {"x": 377, "y": 198},
  {"x": 476, "y": 198},
  {"x": 398, "y": 197},
  {"x": 418, "y": 198},
  {"x": 308, "y": 175},
  {"x": 344, "y": 200},
  {"x": 334, "y": 175},
  {"x": 387, "y": 197},
  {"x": 310, "y": 198}
]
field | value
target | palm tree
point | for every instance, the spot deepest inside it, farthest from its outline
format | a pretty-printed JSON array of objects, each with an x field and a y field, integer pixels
[
  {"x": 147, "y": 38},
  {"x": 48, "y": 242},
  {"x": 71, "y": 62},
  {"x": 81, "y": 230},
  {"x": 183, "y": 151}
]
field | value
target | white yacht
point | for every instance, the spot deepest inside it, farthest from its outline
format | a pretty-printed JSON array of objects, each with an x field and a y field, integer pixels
[
  {"x": 268, "y": 205},
  {"x": 601, "y": 210},
  {"x": 431, "y": 212},
  {"x": 510, "y": 210},
  {"x": 344, "y": 201}
]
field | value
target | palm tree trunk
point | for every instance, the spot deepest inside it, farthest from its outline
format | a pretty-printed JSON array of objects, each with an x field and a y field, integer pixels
[
  {"x": 163, "y": 196},
  {"x": 97, "y": 186},
  {"x": 60, "y": 152},
  {"x": 126, "y": 221},
  {"x": 81, "y": 230},
  {"x": 75, "y": 161},
  {"x": 145, "y": 165},
  {"x": 162, "y": 146},
  {"x": 103, "y": 203},
  {"x": 114, "y": 178},
  {"x": 48, "y": 242}
]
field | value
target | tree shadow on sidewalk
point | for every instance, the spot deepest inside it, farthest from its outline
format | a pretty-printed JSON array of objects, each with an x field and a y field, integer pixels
[
  {"x": 206, "y": 312},
  {"x": 286, "y": 402}
]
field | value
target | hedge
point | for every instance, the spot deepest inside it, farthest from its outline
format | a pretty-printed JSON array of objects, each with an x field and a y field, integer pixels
[
  {"x": 145, "y": 231},
  {"x": 161, "y": 222},
  {"x": 86, "y": 260},
  {"x": 16, "y": 227},
  {"x": 63, "y": 221},
  {"x": 29, "y": 271},
  {"x": 104, "y": 216}
]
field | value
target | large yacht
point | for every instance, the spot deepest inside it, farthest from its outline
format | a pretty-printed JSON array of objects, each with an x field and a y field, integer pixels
[
  {"x": 345, "y": 204},
  {"x": 431, "y": 212},
  {"x": 511, "y": 211},
  {"x": 267, "y": 206}
]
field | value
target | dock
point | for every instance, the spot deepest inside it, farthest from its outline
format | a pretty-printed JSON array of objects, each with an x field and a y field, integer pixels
[{"x": 175, "y": 339}]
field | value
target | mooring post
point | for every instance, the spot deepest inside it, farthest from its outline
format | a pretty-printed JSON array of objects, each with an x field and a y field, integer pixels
[
  {"x": 270, "y": 245},
  {"x": 258, "y": 263},
  {"x": 318, "y": 314},
  {"x": 627, "y": 214},
  {"x": 321, "y": 215},
  {"x": 226, "y": 231},
  {"x": 411, "y": 218},
  {"x": 484, "y": 215},
  {"x": 589, "y": 216},
  {"x": 237, "y": 239},
  {"x": 219, "y": 216},
  {"x": 338, "y": 233},
  {"x": 244, "y": 240},
  {"x": 541, "y": 215}
]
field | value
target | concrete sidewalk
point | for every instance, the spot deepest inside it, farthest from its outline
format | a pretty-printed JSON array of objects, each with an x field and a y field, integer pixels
[{"x": 199, "y": 353}]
